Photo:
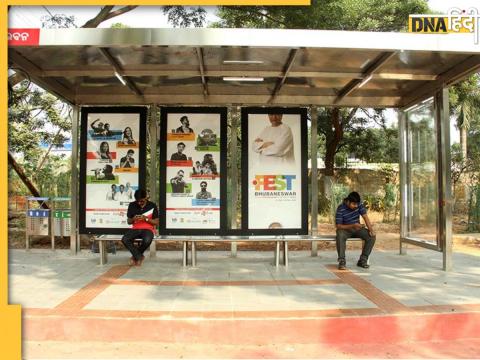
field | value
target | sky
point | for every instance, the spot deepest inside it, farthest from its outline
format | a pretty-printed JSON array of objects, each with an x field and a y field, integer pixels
[{"x": 152, "y": 16}]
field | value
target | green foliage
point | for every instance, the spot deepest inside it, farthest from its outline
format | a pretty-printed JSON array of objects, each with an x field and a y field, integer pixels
[
  {"x": 373, "y": 202},
  {"x": 364, "y": 15},
  {"x": 185, "y": 17},
  {"x": 339, "y": 192},
  {"x": 34, "y": 117}
]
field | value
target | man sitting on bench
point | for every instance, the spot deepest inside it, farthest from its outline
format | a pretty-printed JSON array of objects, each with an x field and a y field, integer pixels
[
  {"x": 348, "y": 225},
  {"x": 143, "y": 216}
]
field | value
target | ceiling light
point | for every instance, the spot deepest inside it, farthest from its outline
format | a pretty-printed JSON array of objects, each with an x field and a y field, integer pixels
[
  {"x": 242, "y": 62},
  {"x": 119, "y": 77},
  {"x": 233, "y": 78}
]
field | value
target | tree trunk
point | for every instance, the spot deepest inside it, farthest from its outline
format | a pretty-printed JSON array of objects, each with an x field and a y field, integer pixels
[
  {"x": 333, "y": 139},
  {"x": 463, "y": 141},
  {"x": 18, "y": 169}
]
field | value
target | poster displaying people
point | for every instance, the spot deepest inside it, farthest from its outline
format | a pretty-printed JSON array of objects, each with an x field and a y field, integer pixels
[
  {"x": 273, "y": 182},
  {"x": 192, "y": 172},
  {"x": 112, "y": 143}
]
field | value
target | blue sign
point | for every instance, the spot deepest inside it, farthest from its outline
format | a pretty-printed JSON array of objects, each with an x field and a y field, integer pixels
[{"x": 38, "y": 213}]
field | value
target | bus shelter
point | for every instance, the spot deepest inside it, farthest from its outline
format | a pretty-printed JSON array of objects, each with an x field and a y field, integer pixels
[{"x": 268, "y": 68}]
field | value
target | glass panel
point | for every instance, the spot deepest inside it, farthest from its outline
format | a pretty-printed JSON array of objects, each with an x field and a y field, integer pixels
[{"x": 422, "y": 173}]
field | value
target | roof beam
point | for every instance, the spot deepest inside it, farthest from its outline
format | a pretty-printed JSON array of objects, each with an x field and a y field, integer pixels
[
  {"x": 449, "y": 77},
  {"x": 35, "y": 74},
  {"x": 95, "y": 71},
  {"x": 118, "y": 69},
  {"x": 286, "y": 70},
  {"x": 367, "y": 74},
  {"x": 201, "y": 65},
  {"x": 247, "y": 99}
]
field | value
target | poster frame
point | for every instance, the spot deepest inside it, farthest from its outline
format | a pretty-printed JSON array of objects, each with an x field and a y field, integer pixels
[
  {"x": 165, "y": 111},
  {"x": 246, "y": 111},
  {"x": 85, "y": 111}
]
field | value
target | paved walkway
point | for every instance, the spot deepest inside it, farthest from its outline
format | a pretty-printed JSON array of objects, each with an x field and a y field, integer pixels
[{"x": 403, "y": 306}]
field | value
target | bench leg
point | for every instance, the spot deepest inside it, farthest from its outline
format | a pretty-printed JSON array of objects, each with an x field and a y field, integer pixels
[
  {"x": 233, "y": 249},
  {"x": 285, "y": 253},
  {"x": 314, "y": 248},
  {"x": 277, "y": 253},
  {"x": 194, "y": 254},
  {"x": 185, "y": 254},
  {"x": 103, "y": 252}
]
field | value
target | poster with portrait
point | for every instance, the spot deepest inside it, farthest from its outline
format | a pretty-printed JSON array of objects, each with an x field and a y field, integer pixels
[
  {"x": 112, "y": 166},
  {"x": 274, "y": 176},
  {"x": 193, "y": 170}
]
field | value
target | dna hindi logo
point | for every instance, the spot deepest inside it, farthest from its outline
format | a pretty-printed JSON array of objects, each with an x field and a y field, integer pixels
[{"x": 456, "y": 21}]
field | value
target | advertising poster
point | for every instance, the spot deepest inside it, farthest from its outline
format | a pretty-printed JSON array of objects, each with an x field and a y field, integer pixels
[
  {"x": 193, "y": 170},
  {"x": 274, "y": 170},
  {"x": 112, "y": 166}
]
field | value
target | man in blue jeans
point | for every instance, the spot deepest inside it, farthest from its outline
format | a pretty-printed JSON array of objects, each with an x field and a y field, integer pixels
[
  {"x": 143, "y": 216},
  {"x": 348, "y": 225}
]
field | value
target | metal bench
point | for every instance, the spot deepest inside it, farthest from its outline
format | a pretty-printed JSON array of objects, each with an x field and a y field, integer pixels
[
  {"x": 102, "y": 240},
  {"x": 281, "y": 244}
]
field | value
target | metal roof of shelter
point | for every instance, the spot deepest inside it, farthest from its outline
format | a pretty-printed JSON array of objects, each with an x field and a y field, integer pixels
[{"x": 199, "y": 66}]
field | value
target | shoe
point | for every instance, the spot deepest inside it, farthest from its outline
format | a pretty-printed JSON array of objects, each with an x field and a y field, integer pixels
[
  {"x": 139, "y": 262},
  {"x": 132, "y": 261},
  {"x": 342, "y": 265},
  {"x": 363, "y": 264}
]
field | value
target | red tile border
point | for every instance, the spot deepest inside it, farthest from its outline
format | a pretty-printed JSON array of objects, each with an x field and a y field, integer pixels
[
  {"x": 90, "y": 291},
  {"x": 334, "y": 331},
  {"x": 382, "y": 300},
  {"x": 228, "y": 282}
]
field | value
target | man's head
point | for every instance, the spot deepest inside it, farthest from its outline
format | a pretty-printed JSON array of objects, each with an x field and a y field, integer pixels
[
  {"x": 122, "y": 188},
  {"x": 100, "y": 124},
  {"x": 184, "y": 121},
  {"x": 114, "y": 187},
  {"x": 106, "y": 126},
  {"x": 275, "y": 119},
  {"x": 180, "y": 173},
  {"x": 141, "y": 197},
  {"x": 127, "y": 185},
  {"x": 180, "y": 147},
  {"x": 130, "y": 153},
  {"x": 203, "y": 186},
  {"x": 197, "y": 163},
  {"x": 353, "y": 200},
  {"x": 108, "y": 169}
]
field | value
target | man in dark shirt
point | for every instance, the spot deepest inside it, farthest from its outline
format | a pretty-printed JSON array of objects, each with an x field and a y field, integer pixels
[
  {"x": 143, "y": 216},
  {"x": 128, "y": 161},
  {"x": 348, "y": 225},
  {"x": 179, "y": 155},
  {"x": 185, "y": 128},
  {"x": 178, "y": 183}
]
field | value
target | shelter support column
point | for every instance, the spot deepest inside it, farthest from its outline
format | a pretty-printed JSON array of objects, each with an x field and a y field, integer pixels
[
  {"x": 153, "y": 139},
  {"x": 74, "y": 238},
  {"x": 234, "y": 116},
  {"x": 444, "y": 225},
  {"x": 402, "y": 128},
  {"x": 314, "y": 177}
]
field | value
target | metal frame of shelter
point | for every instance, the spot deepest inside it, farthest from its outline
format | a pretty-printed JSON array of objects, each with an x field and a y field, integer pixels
[{"x": 254, "y": 67}]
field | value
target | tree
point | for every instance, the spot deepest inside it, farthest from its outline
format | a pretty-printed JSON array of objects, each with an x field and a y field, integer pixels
[
  {"x": 465, "y": 105},
  {"x": 366, "y": 15},
  {"x": 184, "y": 17}
]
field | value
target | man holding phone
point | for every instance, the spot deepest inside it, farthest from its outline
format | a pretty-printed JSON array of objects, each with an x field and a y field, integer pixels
[
  {"x": 348, "y": 225},
  {"x": 143, "y": 216}
]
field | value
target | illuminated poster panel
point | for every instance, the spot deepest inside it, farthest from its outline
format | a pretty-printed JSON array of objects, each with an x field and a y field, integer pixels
[
  {"x": 193, "y": 170},
  {"x": 112, "y": 166},
  {"x": 274, "y": 159}
]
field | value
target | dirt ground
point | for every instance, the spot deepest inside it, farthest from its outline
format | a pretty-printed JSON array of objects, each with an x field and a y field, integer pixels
[{"x": 387, "y": 238}]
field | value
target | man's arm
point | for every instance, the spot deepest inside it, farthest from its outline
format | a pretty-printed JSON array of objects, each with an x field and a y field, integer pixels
[
  {"x": 349, "y": 226},
  {"x": 369, "y": 224},
  {"x": 282, "y": 145}
]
